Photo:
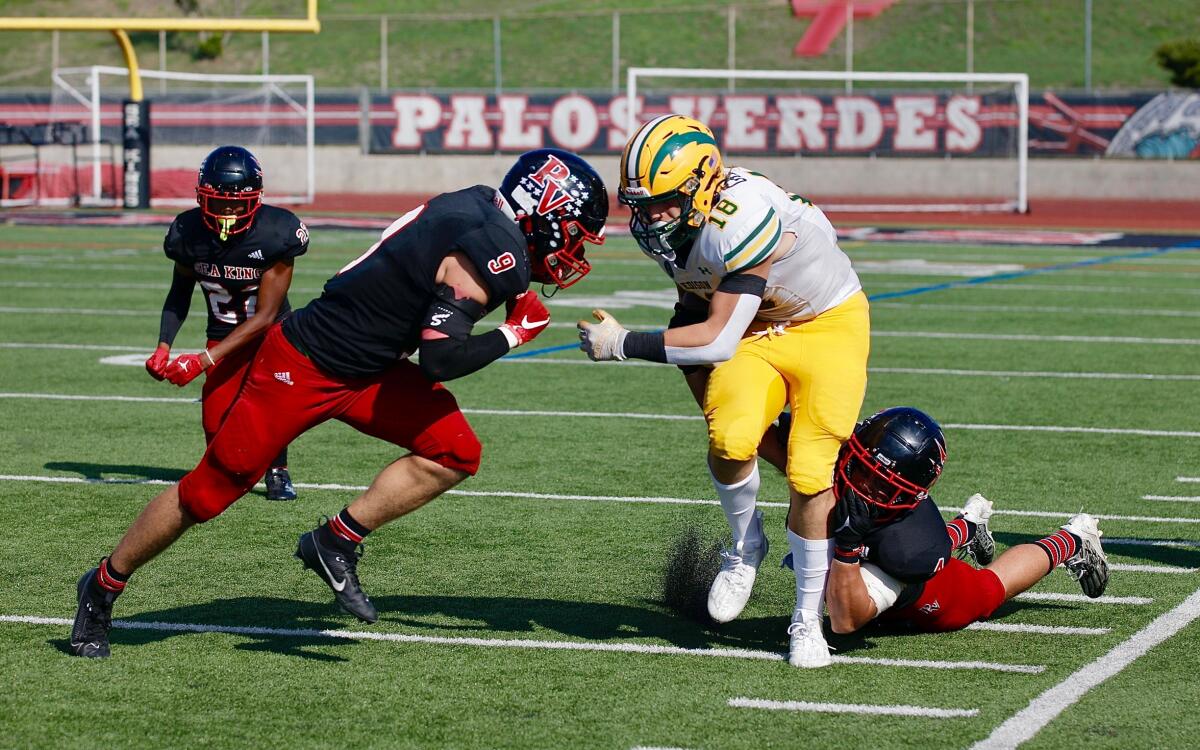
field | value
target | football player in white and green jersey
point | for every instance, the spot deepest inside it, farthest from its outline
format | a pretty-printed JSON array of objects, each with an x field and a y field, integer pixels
[{"x": 771, "y": 314}]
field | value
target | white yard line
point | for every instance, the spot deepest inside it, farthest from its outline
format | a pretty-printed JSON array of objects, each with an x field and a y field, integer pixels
[
  {"x": 76, "y": 311},
  {"x": 854, "y": 708},
  {"x": 658, "y": 417},
  {"x": 1013, "y": 627},
  {"x": 523, "y": 643},
  {"x": 1043, "y": 709},
  {"x": 1050, "y": 596},
  {"x": 1187, "y": 479},
  {"x": 1173, "y": 498},
  {"x": 1041, "y": 309},
  {"x": 1128, "y": 568},
  {"x": 1036, "y": 337},
  {"x": 1175, "y": 543},
  {"x": 596, "y": 498}
]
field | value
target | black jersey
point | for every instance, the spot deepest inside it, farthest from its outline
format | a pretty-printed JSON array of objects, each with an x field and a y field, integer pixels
[
  {"x": 229, "y": 271},
  {"x": 911, "y": 550},
  {"x": 371, "y": 313}
]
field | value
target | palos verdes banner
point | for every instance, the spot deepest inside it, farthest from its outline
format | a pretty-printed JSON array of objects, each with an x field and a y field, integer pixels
[{"x": 905, "y": 124}]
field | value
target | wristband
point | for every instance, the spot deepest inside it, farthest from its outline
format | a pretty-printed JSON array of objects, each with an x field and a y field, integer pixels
[
  {"x": 513, "y": 341},
  {"x": 211, "y": 361},
  {"x": 850, "y": 556}
]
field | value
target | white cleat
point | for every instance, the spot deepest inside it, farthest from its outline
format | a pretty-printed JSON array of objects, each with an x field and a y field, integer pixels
[
  {"x": 1089, "y": 565},
  {"x": 981, "y": 550},
  {"x": 807, "y": 648},
  {"x": 731, "y": 588}
]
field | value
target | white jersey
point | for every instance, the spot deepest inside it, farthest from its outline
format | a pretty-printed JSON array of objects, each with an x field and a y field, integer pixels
[{"x": 746, "y": 225}]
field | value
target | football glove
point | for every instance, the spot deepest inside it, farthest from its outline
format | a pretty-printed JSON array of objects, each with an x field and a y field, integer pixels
[
  {"x": 157, "y": 364},
  {"x": 526, "y": 318},
  {"x": 184, "y": 369},
  {"x": 851, "y": 521},
  {"x": 603, "y": 341}
]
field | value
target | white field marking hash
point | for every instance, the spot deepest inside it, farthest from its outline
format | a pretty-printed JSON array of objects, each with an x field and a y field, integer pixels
[
  {"x": 660, "y": 417},
  {"x": 854, "y": 708},
  {"x": 1173, "y": 498},
  {"x": 1176, "y": 543},
  {"x": 1081, "y": 288},
  {"x": 1050, "y": 596},
  {"x": 525, "y": 643},
  {"x": 1040, "y": 309},
  {"x": 1027, "y": 722},
  {"x": 1187, "y": 479},
  {"x": 592, "y": 498},
  {"x": 1014, "y": 627},
  {"x": 1129, "y": 568}
]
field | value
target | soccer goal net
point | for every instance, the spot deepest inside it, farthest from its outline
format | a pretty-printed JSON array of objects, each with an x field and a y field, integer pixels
[
  {"x": 191, "y": 114},
  {"x": 860, "y": 141}
]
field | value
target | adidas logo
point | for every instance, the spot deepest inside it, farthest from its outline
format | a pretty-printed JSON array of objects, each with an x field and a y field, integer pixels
[
  {"x": 284, "y": 377},
  {"x": 256, "y": 255}
]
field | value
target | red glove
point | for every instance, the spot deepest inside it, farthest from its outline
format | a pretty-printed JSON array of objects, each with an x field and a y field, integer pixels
[
  {"x": 157, "y": 364},
  {"x": 184, "y": 369},
  {"x": 527, "y": 317}
]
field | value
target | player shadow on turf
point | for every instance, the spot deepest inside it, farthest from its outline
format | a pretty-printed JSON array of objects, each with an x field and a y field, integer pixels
[{"x": 124, "y": 472}]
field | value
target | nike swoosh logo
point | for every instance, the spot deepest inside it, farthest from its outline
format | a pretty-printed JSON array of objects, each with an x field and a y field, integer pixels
[
  {"x": 336, "y": 584},
  {"x": 527, "y": 323}
]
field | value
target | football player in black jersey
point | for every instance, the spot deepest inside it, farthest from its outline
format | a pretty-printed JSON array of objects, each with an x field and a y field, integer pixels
[
  {"x": 433, "y": 274},
  {"x": 892, "y": 550},
  {"x": 241, "y": 252}
]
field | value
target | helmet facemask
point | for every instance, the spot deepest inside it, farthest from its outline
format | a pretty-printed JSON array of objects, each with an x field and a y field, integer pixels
[
  {"x": 563, "y": 266},
  {"x": 228, "y": 213},
  {"x": 873, "y": 481},
  {"x": 665, "y": 236}
]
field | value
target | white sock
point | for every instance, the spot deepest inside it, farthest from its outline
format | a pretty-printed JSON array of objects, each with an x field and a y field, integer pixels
[
  {"x": 810, "y": 559},
  {"x": 738, "y": 501}
]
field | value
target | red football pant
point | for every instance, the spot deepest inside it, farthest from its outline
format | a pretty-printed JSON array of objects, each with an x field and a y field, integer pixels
[
  {"x": 284, "y": 395},
  {"x": 955, "y": 597},
  {"x": 222, "y": 382}
]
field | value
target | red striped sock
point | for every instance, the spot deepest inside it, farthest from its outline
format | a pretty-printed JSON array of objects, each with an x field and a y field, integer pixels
[
  {"x": 960, "y": 530},
  {"x": 344, "y": 525},
  {"x": 109, "y": 579},
  {"x": 1059, "y": 546}
]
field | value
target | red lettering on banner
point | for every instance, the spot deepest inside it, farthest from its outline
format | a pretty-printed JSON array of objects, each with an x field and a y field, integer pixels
[
  {"x": 912, "y": 113},
  {"x": 416, "y": 114},
  {"x": 618, "y": 116},
  {"x": 860, "y": 123},
  {"x": 800, "y": 123},
  {"x": 574, "y": 122},
  {"x": 514, "y": 133},
  {"x": 468, "y": 129},
  {"x": 963, "y": 132}
]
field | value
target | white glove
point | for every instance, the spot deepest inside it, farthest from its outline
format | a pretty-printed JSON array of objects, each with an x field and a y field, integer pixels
[{"x": 603, "y": 341}]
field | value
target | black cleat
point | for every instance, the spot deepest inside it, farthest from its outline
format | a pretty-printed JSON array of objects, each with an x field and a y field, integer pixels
[
  {"x": 338, "y": 568},
  {"x": 93, "y": 619},
  {"x": 279, "y": 484}
]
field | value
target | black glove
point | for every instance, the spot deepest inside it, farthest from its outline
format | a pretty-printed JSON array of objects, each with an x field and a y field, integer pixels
[{"x": 852, "y": 522}]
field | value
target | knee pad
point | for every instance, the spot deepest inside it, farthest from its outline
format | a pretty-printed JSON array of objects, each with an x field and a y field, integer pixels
[
  {"x": 214, "y": 484},
  {"x": 735, "y": 442},
  {"x": 460, "y": 450}
]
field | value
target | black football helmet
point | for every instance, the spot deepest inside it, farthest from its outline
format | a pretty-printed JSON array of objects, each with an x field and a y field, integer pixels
[
  {"x": 892, "y": 459},
  {"x": 229, "y": 189},
  {"x": 560, "y": 202}
]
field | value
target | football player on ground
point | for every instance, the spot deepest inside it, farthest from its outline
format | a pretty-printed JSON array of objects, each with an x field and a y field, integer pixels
[
  {"x": 764, "y": 290},
  {"x": 893, "y": 552},
  {"x": 241, "y": 252},
  {"x": 434, "y": 273}
]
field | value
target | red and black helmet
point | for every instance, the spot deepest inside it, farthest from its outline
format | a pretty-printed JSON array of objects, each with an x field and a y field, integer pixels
[
  {"x": 560, "y": 202},
  {"x": 229, "y": 189},
  {"x": 892, "y": 459}
]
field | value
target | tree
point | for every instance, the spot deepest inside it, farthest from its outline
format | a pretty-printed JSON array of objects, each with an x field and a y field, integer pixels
[{"x": 1182, "y": 59}]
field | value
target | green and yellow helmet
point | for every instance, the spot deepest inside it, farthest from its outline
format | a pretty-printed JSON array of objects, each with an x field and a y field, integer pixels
[{"x": 672, "y": 158}]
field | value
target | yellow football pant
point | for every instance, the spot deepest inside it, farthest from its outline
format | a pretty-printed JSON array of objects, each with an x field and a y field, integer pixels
[{"x": 819, "y": 367}]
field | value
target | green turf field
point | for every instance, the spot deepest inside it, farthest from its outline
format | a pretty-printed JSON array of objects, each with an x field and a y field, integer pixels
[{"x": 524, "y": 611}]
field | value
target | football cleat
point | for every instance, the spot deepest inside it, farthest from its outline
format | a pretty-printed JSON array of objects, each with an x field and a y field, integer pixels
[
  {"x": 279, "y": 484},
  {"x": 1089, "y": 564},
  {"x": 981, "y": 550},
  {"x": 730, "y": 590},
  {"x": 807, "y": 648},
  {"x": 93, "y": 619},
  {"x": 339, "y": 570}
]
